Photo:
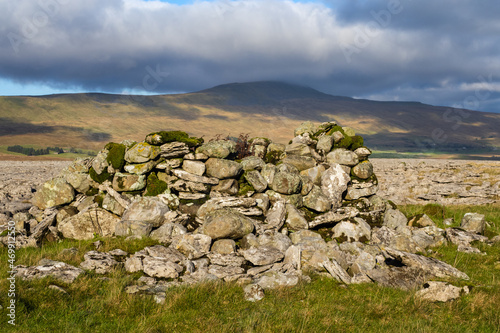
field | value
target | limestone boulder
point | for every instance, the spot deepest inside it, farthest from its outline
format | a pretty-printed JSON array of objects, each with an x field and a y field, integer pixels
[
  {"x": 334, "y": 183},
  {"x": 286, "y": 183},
  {"x": 363, "y": 170},
  {"x": 222, "y": 169},
  {"x": 473, "y": 222},
  {"x": 317, "y": 200},
  {"x": 55, "y": 192},
  {"x": 142, "y": 152},
  {"x": 123, "y": 182},
  {"x": 218, "y": 148},
  {"x": 84, "y": 225},
  {"x": 227, "y": 223},
  {"x": 342, "y": 156}
]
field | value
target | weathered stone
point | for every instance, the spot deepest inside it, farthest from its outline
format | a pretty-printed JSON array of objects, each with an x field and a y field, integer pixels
[
  {"x": 307, "y": 185},
  {"x": 229, "y": 186},
  {"x": 348, "y": 130},
  {"x": 194, "y": 246},
  {"x": 300, "y": 162},
  {"x": 133, "y": 228},
  {"x": 195, "y": 178},
  {"x": 262, "y": 201},
  {"x": 275, "y": 217},
  {"x": 430, "y": 236},
  {"x": 56, "y": 269},
  {"x": 325, "y": 143},
  {"x": 273, "y": 280},
  {"x": 100, "y": 163},
  {"x": 194, "y": 167},
  {"x": 218, "y": 203},
  {"x": 225, "y": 272},
  {"x": 314, "y": 174},
  {"x": 436, "y": 291},
  {"x": 252, "y": 163},
  {"x": 224, "y": 246},
  {"x": 124, "y": 182},
  {"x": 169, "y": 164},
  {"x": 395, "y": 219},
  {"x": 227, "y": 223},
  {"x": 358, "y": 189},
  {"x": 141, "y": 152},
  {"x": 268, "y": 171},
  {"x": 161, "y": 268},
  {"x": 298, "y": 149},
  {"x": 301, "y": 235},
  {"x": 253, "y": 292},
  {"x": 464, "y": 239},
  {"x": 263, "y": 255},
  {"x": 305, "y": 127},
  {"x": 191, "y": 196},
  {"x": 274, "y": 239},
  {"x": 400, "y": 239},
  {"x": 421, "y": 221},
  {"x": 333, "y": 184},
  {"x": 317, "y": 200},
  {"x": 85, "y": 224},
  {"x": 286, "y": 183},
  {"x": 146, "y": 209},
  {"x": 140, "y": 169},
  {"x": 222, "y": 169},
  {"x": 363, "y": 153},
  {"x": 473, "y": 222},
  {"x": 53, "y": 193},
  {"x": 363, "y": 170},
  {"x": 81, "y": 182},
  {"x": 110, "y": 204},
  {"x": 352, "y": 232},
  {"x": 255, "y": 179},
  {"x": 295, "y": 219},
  {"x": 174, "y": 149},
  {"x": 333, "y": 216},
  {"x": 218, "y": 148},
  {"x": 167, "y": 232},
  {"x": 342, "y": 156},
  {"x": 99, "y": 262},
  {"x": 187, "y": 186},
  {"x": 337, "y": 136}
]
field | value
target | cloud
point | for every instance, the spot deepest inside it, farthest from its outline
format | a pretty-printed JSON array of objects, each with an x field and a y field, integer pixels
[{"x": 434, "y": 52}]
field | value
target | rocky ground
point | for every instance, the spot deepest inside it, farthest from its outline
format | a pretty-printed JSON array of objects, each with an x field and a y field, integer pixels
[{"x": 408, "y": 181}]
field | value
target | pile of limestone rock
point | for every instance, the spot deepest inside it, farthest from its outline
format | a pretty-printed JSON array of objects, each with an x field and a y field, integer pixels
[{"x": 260, "y": 213}]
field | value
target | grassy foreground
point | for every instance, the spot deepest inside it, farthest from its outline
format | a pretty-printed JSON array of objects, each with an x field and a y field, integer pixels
[{"x": 97, "y": 304}]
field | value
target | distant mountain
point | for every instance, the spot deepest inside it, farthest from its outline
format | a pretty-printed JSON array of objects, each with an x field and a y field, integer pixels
[{"x": 271, "y": 109}]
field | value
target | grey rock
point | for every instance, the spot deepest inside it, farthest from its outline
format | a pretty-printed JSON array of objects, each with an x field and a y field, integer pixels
[
  {"x": 194, "y": 246},
  {"x": 430, "y": 236},
  {"x": 253, "y": 292},
  {"x": 436, "y": 291},
  {"x": 85, "y": 224},
  {"x": 317, "y": 200},
  {"x": 306, "y": 127},
  {"x": 264, "y": 255},
  {"x": 333, "y": 184},
  {"x": 223, "y": 246},
  {"x": 252, "y": 163},
  {"x": 222, "y": 169},
  {"x": 302, "y": 235},
  {"x": 268, "y": 171},
  {"x": 358, "y": 189},
  {"x": 275, "y": 217},
  {"x": 262, "y": 201},
  {"x": 363, "y": 153},
  {"x": 421, "y": 221},
  {"x": 307, "y": 185},
  {"x": 298, "y": 149},
  {"x": 352, "y": 232},
  {"x": 333, "y": 216},
  {"x": 225, "y": 272},
  {"x": 229, "y": 186},
  {"x": 255, "y": 179},
  {"x": 187, "y": 186},
  {"x": 56, "y": 269},
  {"x": 128, "y": 182},
  {"x": 295, "y": 219},
  {"x": 141, "y": 152},
  {"x": 133, "y": 228},
  {"x": 194, "y": 178},
  {"x": 194, "y": 167},
  {"x": 395, "y": 219},
  {"x": 363, "y": 170},
  {"x": 300, "y": 162},
  {"x": 174, "y": 149},
  {"x": 110, "y": 204},
  {"x": 100, "y": 163},
  {"x": 146, "y": 209},
  {"x": 314, "y": 174},
  {"x": 275, "y": 240},
  {"x": 325, "y": 143},
  {"x": 400, "y": 239},
  {"x": 474, "y": 222},
  {"x": 274, "y": 280},
  {"x": 141, "y": 168},
  {"x": 167, "y": 232},
  {"x": 286, "y": 183},
  {"x": 218, "y": 149},
  {"x": 227, "y": 223},
  {"x": 161, "y": 268},
  {"x": 342, "y": 156},
  {"x": 100, "y": 262},
  {"x": 218, "y": 203},
  {"x": 53, "y": 193}
]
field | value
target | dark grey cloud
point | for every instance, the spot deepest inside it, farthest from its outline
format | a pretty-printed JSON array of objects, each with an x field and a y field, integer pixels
[{"x": 442, "y": 53}]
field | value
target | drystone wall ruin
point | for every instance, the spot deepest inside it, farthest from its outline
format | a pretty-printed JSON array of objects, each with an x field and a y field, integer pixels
[{"x": 257, "y": 212}]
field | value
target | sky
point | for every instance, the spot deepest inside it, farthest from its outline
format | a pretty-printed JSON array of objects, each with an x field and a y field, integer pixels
[{"x": 443, "y": 52}]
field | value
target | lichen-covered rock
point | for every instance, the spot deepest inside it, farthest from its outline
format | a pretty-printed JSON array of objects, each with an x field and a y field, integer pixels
[
  {"x": 359, "y": 189},
  {"x": 194, "y": 167},
  {"x": 146, "y": 209},
  {"x": 363, "y": 170},
  {"x": 224, "y": 246},
  {"x": 286, "y": 183},
  {"x": 141, "y": 153},
  {"x": 317, "y": 200},
  {"x": 300, "y": 162},
  {"x": 252, "y": 163},
  {"x": 352, "y": 232},
  {"x": 295, "y": 219},
  {"x": 325, "y": 143},
  {"x": 229, "y": 186},
  {"x": 133, "y": 228},
  {"x": 53, "y": 193},
  {"x": 85, "y": 225},
  {"x": 473, "y": 222},
  {"x": 227, "y": 223},
  {"x": 55, "y": 269},
  {"x": 141, "y": 168},
  {"x": 222, "y": 169},
  {"x": 263, "y": 255},
  {"x": 124, "y": 182},
  {"x": 305, "y": 127},
  {"x": 333, "y": 184},
  {"x": 193, "y": 246},
  {"x": 254, "y": 178},
  {"x": 99, "y": 262},
  {"x": 314, "y": 174},
  {"x": 342, "y": 156},
  {"x": 218, "y": 148},
  {"x": 167, "y": 232}
]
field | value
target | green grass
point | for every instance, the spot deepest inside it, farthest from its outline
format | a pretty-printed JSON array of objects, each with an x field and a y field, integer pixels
[{"x": 94, "y": 304}]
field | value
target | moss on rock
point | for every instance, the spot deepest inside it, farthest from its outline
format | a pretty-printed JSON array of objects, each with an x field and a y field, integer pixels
[
  {"x": 116, "y": 155},
  {"x": 162, "y": 137},
  {"x": 155, "y": 186},
  {"x": 357, "y": 141},
  {"x": 100, "y": 178}
]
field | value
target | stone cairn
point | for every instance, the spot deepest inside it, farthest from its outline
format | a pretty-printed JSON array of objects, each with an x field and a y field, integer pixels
[{"x": 265, "y": 220}]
